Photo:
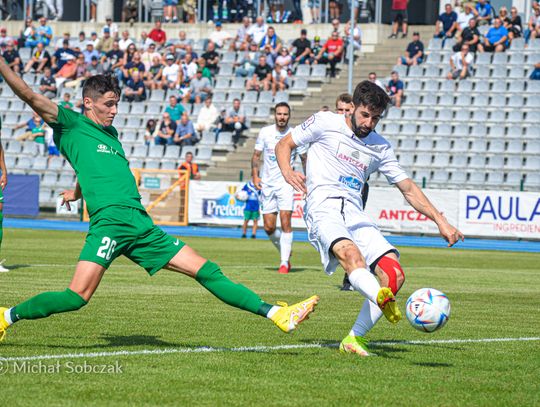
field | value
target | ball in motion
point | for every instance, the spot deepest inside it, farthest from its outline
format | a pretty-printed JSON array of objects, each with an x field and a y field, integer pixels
[
  {"x": 428, "y": 309},
  {"x": 242, "y": 195}
]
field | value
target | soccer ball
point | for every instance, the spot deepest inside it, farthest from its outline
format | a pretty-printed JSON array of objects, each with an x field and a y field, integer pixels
[
  {"x": 242, "y": 195},
  {"x": 428, "y": 309}
]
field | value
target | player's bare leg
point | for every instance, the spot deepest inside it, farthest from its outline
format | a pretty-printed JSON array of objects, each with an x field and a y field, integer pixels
[
  {"x": 254, "y": 228},
  {"x": 187, "y": 261},
  {"x": 244, "y": 227},
  {"x": 274, "y": 234}
]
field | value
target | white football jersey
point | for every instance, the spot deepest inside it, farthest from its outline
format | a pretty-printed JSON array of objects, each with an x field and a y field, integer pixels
[
  {"x": 268, "y": 137},
  {"x": 338, "y": 162}
]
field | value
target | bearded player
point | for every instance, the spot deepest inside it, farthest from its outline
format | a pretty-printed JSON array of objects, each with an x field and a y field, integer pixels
[
  {"x": 343, "y": 152},
  {"x": 119, "y": 224}
]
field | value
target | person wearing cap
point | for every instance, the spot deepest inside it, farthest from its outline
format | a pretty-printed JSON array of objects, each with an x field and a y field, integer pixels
[
  {"x": 94, "y": 38},
  {"x": 158, "y": 35},
  {"x": 113, "y": 27},
  {"x": 60, "y": 41},
  {"x": 414, "y": 55},
  {"x": 170, "y": 10},
  {"x": 62, "y": 55},
  {"x": 105, "y": 43},
  {"x": 219, "y": 36},
  {"x": 39, "y": 60},
  {"x": 89, "y": 53},
  {"x": 246, "y": 66},
  {"x": 44, "y": 31},
  {"x": 314, "y": 51},
  {"x": 301, "y": 47},
  {"x": 199, "y": 89},
  {"x": 171, "y": 77},
  {"x": 95, "y": 67},
  {"x": 12, "y": 57}
]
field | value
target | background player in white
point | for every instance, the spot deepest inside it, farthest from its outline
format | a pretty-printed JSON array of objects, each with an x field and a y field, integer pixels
[
  {"x": 343, "y": 152},
  {"x": 277, "y": 195}
]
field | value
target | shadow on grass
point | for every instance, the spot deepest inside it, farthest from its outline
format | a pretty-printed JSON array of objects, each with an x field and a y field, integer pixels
[
  {"x": 293, "y": 269},
  {"x": 19, "y": 266}
]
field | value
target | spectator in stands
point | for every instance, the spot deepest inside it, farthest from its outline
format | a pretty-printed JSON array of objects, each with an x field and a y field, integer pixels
[
  {"x": 167, "y": 128},
  {"x": 335, "y": 6},
  {"x": 484, "y": 12},
  {"x": 271, "y": 41},
  {"x": 153, "y": 75},
  {"x": 469, "y": 36},
  {"x": 29, "y": 36},
  {"x": 94, "y": 68},
  {"x": 399, "y": 18},
  {"x": 262, "y": 76},
  {"x": 44, "y": 32},
  {"x": 190, "y": 167},
  {"x": 114, "y": 60},
  {"x": 315, "y": 10},
  {"x": 90, "y": 53},
  {"x": 66, "y": 101},
  {"x": 206, "y": 73},
  {"x": 174, "y": 108},
  {"x": 61, "y": 56},
  {"x": 158, "y": 35},
  {"x": 219, "y": 36},
  {"x": 113, "y": 27},
  {"x": 29, "y": 125},
  {"x": 4, "y": 38},
  {"x": 94, "y": 38},
  {"x": 461, "y": 64},
  {"x": 496, "y": 39},
  {"x": 105, "y": 43},
  {"x": 12, "y": 57},
  {"x": 246, "y": 66},
  {"x": 135, "y": 90},
  {"x": 211, "y": 57},
  {"x": 80, "y": 43},
  {"x": 331, "y": 52},
  {"x": 38, "y": 135},
  {"x": 280, "y": 79},
  {"x": 414, "y": 54},
  {"x": 395, "y": 89},
  {"x": 129, "y": 11},
  {"x": 78, "y": 75},
  {"x": 535, "y": 74},
  {"x": 514, "y": 27},
  {"x": 344, "y": 104},
  {"x": 372, "y": 76},
  {"x": 39, "y": 60},
  {"x": 258, "y": 30},
  {"x": 242, "y": 39},
  {"x": 335, "y": 25},
  {"x": 66, "y": 37},
  {"x": 277, "y": 11},
  {"x": 464, "y": 17},
  {"x": 357, "y": 36},
  {"x": 183, "y": 44},
  {"x": 447, "y": 27},
  {"x": 207, "y": 117},
  {"x": 129, "y": 53},
  {"x": 125, "y": 41},
  {"x": 148, "y": 56},
  {"x": 315, "y": 50},
  {"x": 199, "y": 89},
  {"x": 170, "y": 10},
  {"x": 185, "y": 134},
  {"x": 47, "y": 84},
  {"x": 51, "y": 146},
  {"x": 284, "y": 59},
  {"x": 150, "y": 132},
  {"x": 69, "y": 70},
  {"x": 135, "y": 65},
  {"x": 171, "y": 77},
  {"x": 301, "y": 47},
  {"x": 189, "y": 68},
  {"x": 235, "y": 121},
  {"x": 534, "y": 25}
]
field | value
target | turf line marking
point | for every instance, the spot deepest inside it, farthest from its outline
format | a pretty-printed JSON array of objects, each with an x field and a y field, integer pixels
[{"x": 205, "y": 349}]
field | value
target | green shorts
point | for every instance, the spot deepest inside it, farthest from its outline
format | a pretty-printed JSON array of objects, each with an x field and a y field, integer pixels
[
  {"x": 251, "y": 215},
  {"x": 120, "y": 230}
]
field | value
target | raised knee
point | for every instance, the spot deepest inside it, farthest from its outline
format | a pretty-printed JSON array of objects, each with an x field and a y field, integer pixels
[{"x": 269, "y": 229}]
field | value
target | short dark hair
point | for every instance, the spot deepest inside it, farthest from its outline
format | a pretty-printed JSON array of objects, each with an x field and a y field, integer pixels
[
  {"x": 370, "y": 95},
  {"x": 98, "y": 85},
  {"x": 282, "y": 104},
  {"x": 344, "y": 97}
]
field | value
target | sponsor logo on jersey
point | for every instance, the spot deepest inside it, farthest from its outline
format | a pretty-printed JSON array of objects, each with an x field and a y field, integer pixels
[
  {"x": 351, "y": 182},
  {"x": 354, "y": 157},
  {"x": 308, "y": 122},
  {"x": 103, "y": 148}
]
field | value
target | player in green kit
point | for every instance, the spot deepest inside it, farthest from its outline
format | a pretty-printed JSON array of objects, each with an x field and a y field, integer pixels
[
  {"x": 3, "y": 183},
  {"x": 119, "y": 224}
]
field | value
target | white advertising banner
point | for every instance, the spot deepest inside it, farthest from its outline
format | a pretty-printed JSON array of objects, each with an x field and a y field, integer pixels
[
  {"x": 500, "y": 214},
  {"x": 391, "y": 212},
  {"x": 214, "y": 202}
]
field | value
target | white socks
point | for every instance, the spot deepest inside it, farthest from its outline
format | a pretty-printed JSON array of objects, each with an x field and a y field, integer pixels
[
  {"x": 275, "y": 239},
  {"x": 7, "y": 316},
  {"x": 272, "y": 311},
  {"x": 365, "y": 283},
  {"x": 367, "y": 318},
  {"x": 286, "y": 246}
]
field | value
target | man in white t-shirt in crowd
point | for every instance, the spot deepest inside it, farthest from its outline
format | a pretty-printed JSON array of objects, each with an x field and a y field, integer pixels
[
  {"x": 277, "y": 196},
  {"x": 343, "y": 152},
  {"x": 461, "y": 64},
  {"x": 171, "y": 76}
]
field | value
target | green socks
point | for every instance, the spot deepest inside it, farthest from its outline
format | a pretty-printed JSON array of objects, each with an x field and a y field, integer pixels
[
  {"x": 45, "y": 304},
  {"x": 1, "y": 227},
  {"x": 236, "y": 295}
]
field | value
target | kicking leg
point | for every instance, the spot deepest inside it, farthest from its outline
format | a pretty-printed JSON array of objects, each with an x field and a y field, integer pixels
[
  {"x": 187, "y": 261},
  {"x": 285, "y": 241}
]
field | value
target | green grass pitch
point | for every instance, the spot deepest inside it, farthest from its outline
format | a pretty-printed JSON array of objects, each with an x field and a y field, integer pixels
[{"x": 493, "y": 295}]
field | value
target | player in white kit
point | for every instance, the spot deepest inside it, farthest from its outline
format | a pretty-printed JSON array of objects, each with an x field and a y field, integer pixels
[
  {"x": 343, "y": 152},
  {"x": 277, "y": 195}
]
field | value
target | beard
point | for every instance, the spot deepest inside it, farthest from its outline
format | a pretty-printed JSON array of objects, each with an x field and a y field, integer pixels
[{"x": 359, "y": 131}]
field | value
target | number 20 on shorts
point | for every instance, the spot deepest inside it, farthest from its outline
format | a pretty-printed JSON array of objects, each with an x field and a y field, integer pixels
[{"x": 107, "y": 247}]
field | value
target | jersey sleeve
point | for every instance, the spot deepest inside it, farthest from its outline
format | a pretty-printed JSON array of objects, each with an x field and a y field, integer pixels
[
  {"x": 65, "y": 120},
  {"x": 390, "y": 167},
  {"x": 309, "y": 131},
  {"x": 259, "y": 144}
]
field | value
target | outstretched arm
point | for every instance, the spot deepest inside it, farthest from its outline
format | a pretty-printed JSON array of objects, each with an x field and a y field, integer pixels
[
  {"x": 283, "y": 155},
  {"x": 39, "y": 103},
  {"x": 416, "y": 198}
]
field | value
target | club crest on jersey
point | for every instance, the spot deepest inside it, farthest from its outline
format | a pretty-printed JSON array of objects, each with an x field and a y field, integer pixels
[
  {"x": 351, "y": 182},
  {"x": 353, "y": 157},
  {"x": 308, "y": 122}
]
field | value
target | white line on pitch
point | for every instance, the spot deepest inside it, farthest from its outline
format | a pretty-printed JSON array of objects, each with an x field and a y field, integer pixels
[{"x": 252, "y": 348}]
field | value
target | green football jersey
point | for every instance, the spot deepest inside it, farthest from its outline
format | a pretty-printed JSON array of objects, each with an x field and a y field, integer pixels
[{"x": 97, "y": 156}]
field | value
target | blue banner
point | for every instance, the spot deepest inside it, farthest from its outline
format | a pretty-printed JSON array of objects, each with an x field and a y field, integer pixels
[{"x": 21, "y": 195}]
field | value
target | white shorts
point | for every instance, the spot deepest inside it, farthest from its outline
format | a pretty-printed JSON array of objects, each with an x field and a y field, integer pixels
[
  {"x": 337, "y": 218},
  {"x": 275, "y": 199}
]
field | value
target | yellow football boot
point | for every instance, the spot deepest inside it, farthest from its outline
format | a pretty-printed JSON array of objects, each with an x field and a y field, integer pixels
[{"x": 288, "y": 317}]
